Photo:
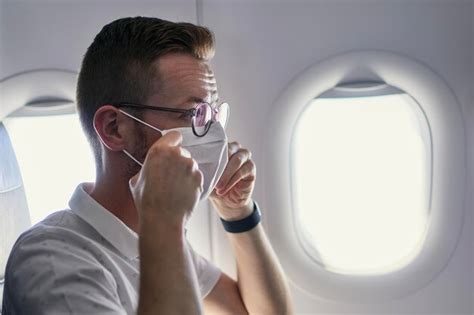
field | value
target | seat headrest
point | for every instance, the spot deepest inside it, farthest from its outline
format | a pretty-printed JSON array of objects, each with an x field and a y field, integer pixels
[{"x": 14, "y": 214}]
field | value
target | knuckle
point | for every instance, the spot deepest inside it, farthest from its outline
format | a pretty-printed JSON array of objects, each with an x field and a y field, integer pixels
[
  {"x": 239, "y": 158},
  {"x": 199, "y": 176},
  {"x": 170, "y": 153},
  {"x": 175, "y": 151},
  {"x": 190, "y": 164},
  {"x": 154, "y": 150},
  {"x": 251, "y": 164},
  {"x": 234, "y": 146}
]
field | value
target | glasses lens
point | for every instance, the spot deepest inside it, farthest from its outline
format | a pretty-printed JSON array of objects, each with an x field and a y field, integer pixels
[
  {"x": 223, "y": 114},
  {"x": 202, "y": 118}
]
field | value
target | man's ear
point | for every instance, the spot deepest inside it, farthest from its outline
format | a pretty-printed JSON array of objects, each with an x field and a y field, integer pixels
[{"x": 106, "y": 124}]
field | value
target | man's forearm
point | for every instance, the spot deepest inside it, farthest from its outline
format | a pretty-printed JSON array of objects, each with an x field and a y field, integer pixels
[
  {"x": 262, "y": 283},
  {"x": 168, "y": 281}
]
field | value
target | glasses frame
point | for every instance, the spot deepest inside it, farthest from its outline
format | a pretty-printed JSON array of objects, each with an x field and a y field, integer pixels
[{"x": 190, "y": 112}]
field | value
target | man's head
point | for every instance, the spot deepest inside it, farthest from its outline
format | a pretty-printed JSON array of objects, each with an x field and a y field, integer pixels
[{"x": 146, "y": 61}]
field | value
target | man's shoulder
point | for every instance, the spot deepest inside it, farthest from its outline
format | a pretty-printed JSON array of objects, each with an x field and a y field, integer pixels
[
  {"x": 61, "y": 227},
  {"x": 61, "y": 243},
  {"x": 55, "y": 263},
  {"x": 58, "y": 223}
]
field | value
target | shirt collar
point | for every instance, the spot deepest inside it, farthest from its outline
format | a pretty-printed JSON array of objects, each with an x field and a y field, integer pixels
[{"x": 104, "y": 222}]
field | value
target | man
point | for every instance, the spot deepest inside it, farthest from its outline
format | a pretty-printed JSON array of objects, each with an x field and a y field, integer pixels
[{"x": 140, "y": 78}]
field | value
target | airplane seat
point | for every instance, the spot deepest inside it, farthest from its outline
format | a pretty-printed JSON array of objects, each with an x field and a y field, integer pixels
[{"x": 14, "y": 213}]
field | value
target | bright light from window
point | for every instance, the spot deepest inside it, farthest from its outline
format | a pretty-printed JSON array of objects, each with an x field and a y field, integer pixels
[
  {"x": 54, "y": 156},
  {"x": 361, "y": 172}
]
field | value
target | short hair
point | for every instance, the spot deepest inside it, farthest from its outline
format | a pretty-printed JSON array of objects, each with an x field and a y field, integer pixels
[{"x": 117, "y": 66}]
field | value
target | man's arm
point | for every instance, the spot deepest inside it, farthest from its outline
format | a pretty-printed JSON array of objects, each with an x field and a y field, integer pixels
[
  {"x": 225, "y": 298},
  {"x": 261, "y": 287},
  {"x": 168, "y": 281},
  {"x": 165, "y": 192},
  {"x": 261, "y": 281}
]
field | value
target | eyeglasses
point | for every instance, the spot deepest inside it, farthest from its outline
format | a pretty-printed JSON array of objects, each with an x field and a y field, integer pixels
[{"x": 202, "y": 116}]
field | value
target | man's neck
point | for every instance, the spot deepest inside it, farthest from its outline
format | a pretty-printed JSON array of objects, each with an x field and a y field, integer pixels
[{"x": 115, "y": 196}]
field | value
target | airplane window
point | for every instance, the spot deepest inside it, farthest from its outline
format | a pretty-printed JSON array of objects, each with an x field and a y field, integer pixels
[
  {"x": 54, "y": 156},
  {"x": 362, "y": 176}
]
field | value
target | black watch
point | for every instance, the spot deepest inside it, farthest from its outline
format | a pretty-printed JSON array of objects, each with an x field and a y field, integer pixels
[{"x": 244, "y": 224}]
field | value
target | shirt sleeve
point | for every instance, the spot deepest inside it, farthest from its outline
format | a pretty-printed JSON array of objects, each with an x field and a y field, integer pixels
[
  {"x": 207, "y": 273},
  {"x": 45, "y": 275}
]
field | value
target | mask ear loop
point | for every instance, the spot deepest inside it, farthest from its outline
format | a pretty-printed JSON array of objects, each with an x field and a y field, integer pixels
[
  {"x": 130, "y": 156},
  {"x": 141, "y": 121},
  {"x": 146, "y": 124}
]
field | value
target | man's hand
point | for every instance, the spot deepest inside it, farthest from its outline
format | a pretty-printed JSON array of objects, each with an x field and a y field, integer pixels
[
  {"x": 165, "y": 192},
  {"x": 261, "y": 281},
  {"x": 232, "y": 196},
  {"x": 169, "y": 184}
]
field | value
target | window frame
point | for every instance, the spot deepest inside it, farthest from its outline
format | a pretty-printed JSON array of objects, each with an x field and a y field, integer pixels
[
  {"x": 444, "y": 115},
  {"x": 37, "y": 92}
]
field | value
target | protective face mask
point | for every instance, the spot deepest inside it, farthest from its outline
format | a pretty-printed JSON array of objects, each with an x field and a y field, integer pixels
[{"x": 210, "y": 151}]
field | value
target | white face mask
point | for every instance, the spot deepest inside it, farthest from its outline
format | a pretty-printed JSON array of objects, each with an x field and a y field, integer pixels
[{"x": 210, "y": 151}]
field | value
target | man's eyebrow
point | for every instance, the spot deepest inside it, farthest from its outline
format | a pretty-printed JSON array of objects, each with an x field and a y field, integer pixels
[{"x": 195, "y": 99}]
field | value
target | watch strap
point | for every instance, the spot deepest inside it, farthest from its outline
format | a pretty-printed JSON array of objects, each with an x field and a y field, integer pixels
[{"x": 244, "y": 224}]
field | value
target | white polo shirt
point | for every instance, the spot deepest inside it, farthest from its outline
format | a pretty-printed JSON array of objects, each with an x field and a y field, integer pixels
[{"x": 81, "y": 261}]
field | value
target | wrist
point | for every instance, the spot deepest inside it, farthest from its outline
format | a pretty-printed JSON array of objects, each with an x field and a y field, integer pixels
[
  {"x": 245, "y": 224},
  {"x": 157, "y": 224},
  {"x": 238, "y": 213}
]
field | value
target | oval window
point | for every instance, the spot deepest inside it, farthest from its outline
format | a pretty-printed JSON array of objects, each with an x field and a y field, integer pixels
[
  {"x": 361, "y": 172},
  {"x": 53, "y": 156}
]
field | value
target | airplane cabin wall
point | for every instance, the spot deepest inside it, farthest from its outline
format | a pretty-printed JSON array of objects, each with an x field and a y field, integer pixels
[{"x": 261, "y": 46}]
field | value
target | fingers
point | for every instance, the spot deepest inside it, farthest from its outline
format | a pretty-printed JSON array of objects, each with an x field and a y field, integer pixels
[
  {"x": 240, "y": 194},
  {"x": 233, "y": 147},
  {"x": 240, "y": 167},
  {"x": 237, "y": 158},
  {"x": 168, "y": 145},
  {"x": 170, "y": 182},
  {"x": 172, "y": 139},
  {"x": 200, "y": 179},
  {"x": 194, "y": 171},
  {"x": 170, "y": 142},
  {"x": 244, "y": 187},
  {"x": 246, "y": 172}
]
